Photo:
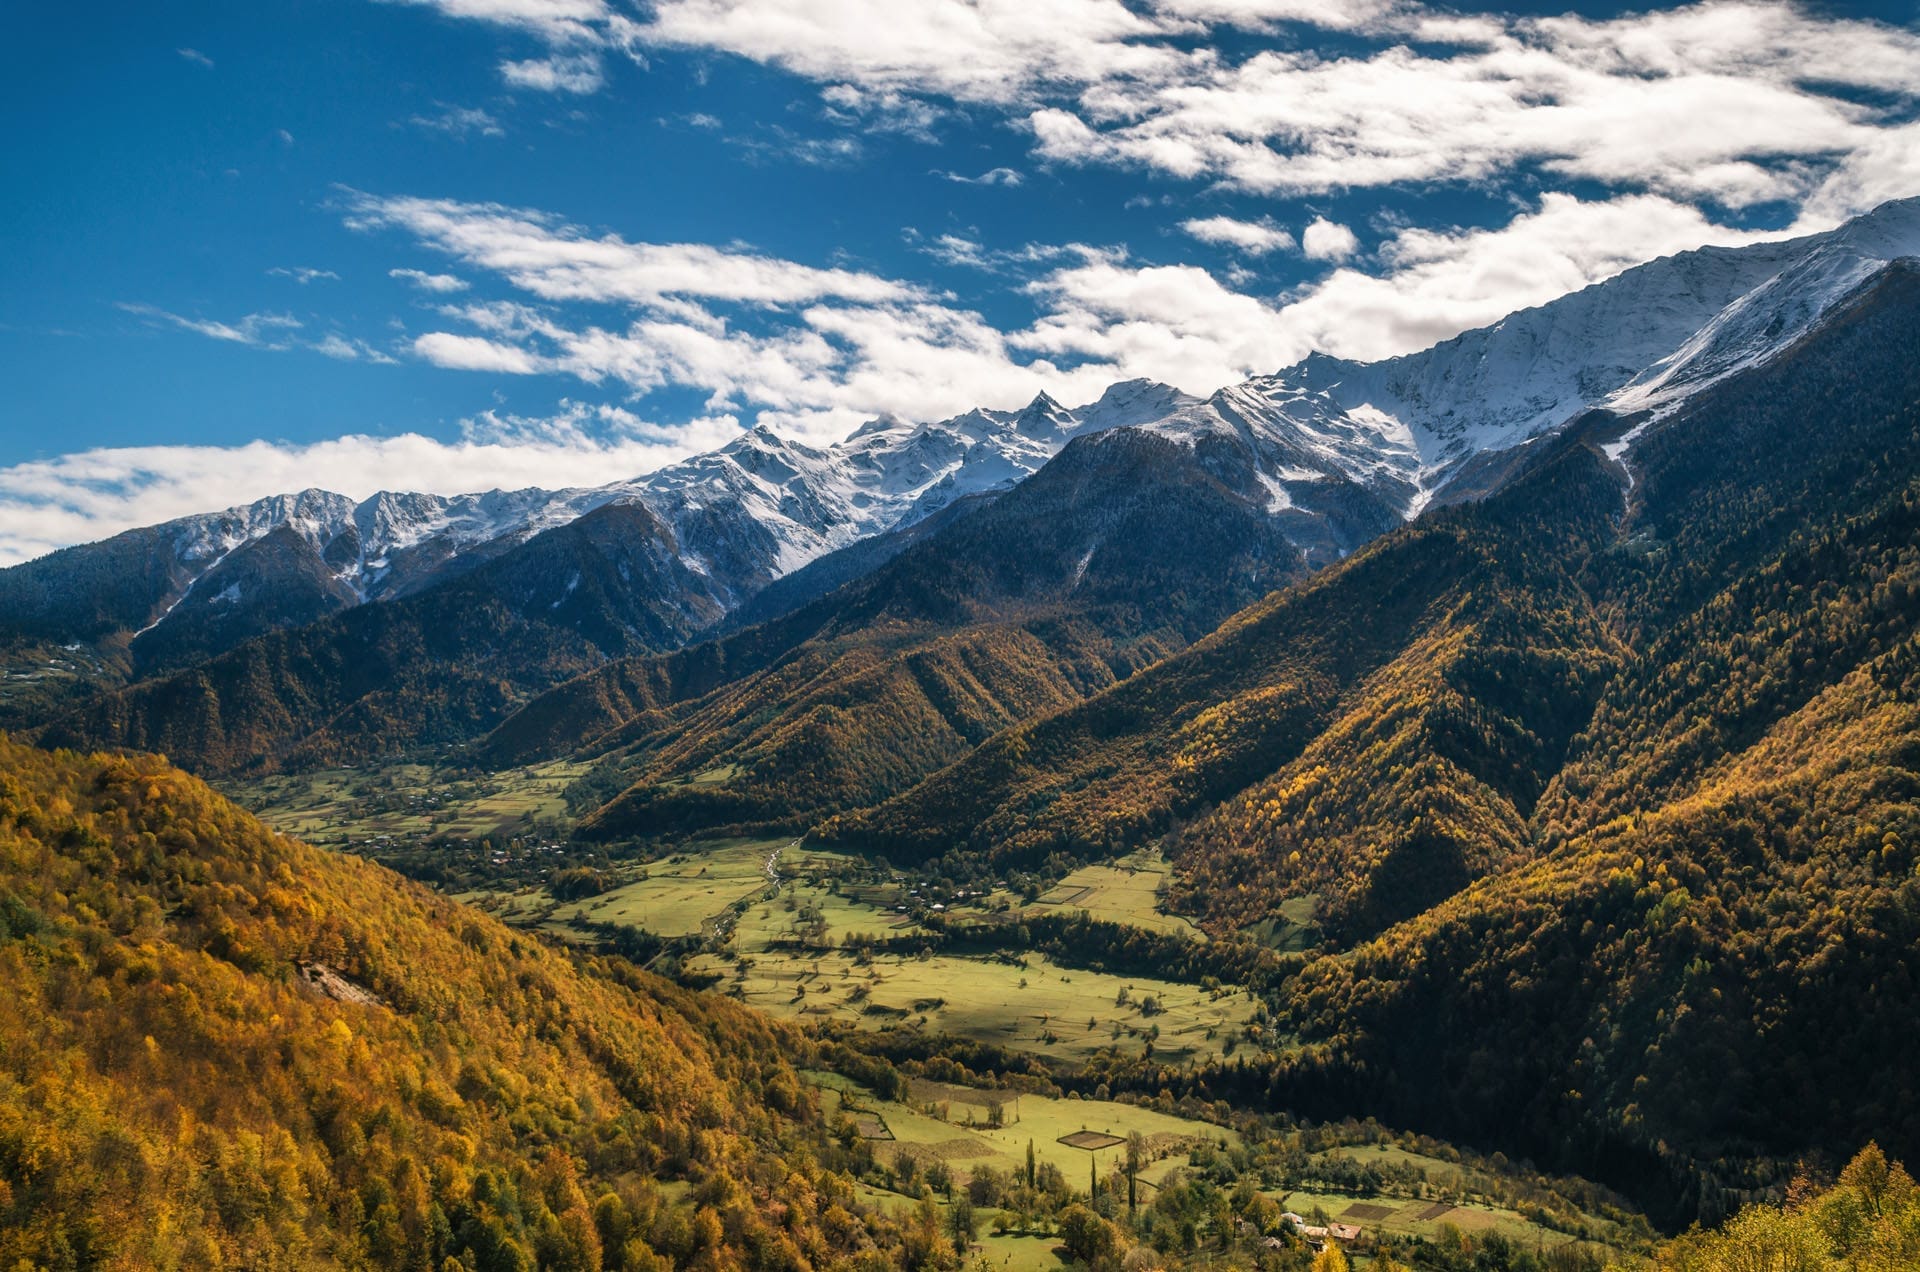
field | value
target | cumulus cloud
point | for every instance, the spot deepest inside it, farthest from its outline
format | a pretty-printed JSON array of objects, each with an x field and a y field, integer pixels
[
  {"x": 1667, "y": 122},
  {"x": 79, "y": 498},
  {"x": 575, "y": 33},
  {"x": 1335, "y": 15},
  {"x": 1183, "y": 325},
  {"x": 1735, "y": 102},
  {"x": 1255, "y": 238},
  {"x": 1324, "y": 240},
  {"x": 554, "y": 19},
  {"x": 477, "y": 353},
  {"x": 989, "y": 51},
  {"x": 1436, "y": 283}
]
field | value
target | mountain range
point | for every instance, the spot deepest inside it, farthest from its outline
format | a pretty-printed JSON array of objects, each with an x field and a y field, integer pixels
[
  {"x": 1331, "y": 453},
  {"x": 1405, "y": 431},
  {"x": 1536, "y": 711}
]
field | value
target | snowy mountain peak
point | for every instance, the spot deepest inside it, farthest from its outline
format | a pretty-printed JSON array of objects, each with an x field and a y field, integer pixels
[
  {"x": 1044, "y": 417},
  {"x": 1643, "y": 339}
]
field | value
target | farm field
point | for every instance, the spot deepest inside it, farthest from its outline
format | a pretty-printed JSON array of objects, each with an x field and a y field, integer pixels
[
  {"x": 1293, "y": 927},
  {"x": 1128, "y": 891},
  {"x": 1420, "y": 1217},
  {"x": 1012, "y": 1252},
  {"x": 674, "y": 896},
  {"x": 361, "y": 808},
  {"x": 1030, "y": 1004},
  {"x": 964, "y": 1141},
  {"x": 788, "y": 956}
]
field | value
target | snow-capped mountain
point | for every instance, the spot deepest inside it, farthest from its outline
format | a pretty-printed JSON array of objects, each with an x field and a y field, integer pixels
[
  {"x": 1403, "y": 427},
  {"x": 740, "y": 516},
  {"x": 764, "y": 505},
  {"x": 1337, "y": 450}
]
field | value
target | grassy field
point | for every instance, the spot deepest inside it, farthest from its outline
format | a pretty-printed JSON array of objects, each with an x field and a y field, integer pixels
[
  {"x": 947, "y": 1123},
  {"x": 1455, "y": 1196},
  {"x": 1011, "y": 1253},
  {"x": 955, "y": 1130},
  {"x": 358, "y": 808},
  {"x": 683, "y": 892},
  {"x": 1127, "y": 891},
  {"x": 1030, "y": 1004},
  {"x": 679, "y": 895},
  {"x": 1027, "y": 1003},
  {"x": 783, "y": 913},
  {"x": 1418, "y": 1217},
  {"x": 1294, "y": 927}
]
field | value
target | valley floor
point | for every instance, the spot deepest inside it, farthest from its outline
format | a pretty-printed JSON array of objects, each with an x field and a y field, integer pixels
[{"x": 854, "y": 950}]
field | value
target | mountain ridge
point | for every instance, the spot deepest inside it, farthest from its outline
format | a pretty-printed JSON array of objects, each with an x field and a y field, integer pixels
[{"x": 1344, "y": 450}]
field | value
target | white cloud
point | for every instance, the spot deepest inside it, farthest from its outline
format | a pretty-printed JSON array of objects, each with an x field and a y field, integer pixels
[
  {"x": 1886, "y": 167},
  {"x": 349, "y": 349},
  {"x": 968, "y": 50},
  {"x": 90, "y": 495},
  {"x": 1255, "y": 238},
  {"x": 196, "y": 57},
  {"x": 1437, "y": 283},
  {"x": 576, "y": 34},
  {"x": 1732, "y": 101},
  {"x": 461, "y": 122},
  {"x": 440, "y": 283},
  {"x": 1736, "y": 102},
  {"x": 992, "y": 176},
  {"x": 304, "y": 274},
  {"x": 1176, "y": 323},
  {"x": 477, "y": 353},
  {"x": 555, "y": 20},
  {"x": 1182, "y": 325},
  {"x": 559, "y": 73},
  {"x": 1325, "y": 240},
  {"x": 817, "y": 367},
  {"x": 272, "y": 332},
  {"x": 556, "y": 261},
  {"x": 818, "y": 351},
  {"x": 264, "y": 331},
  {"x": 881, "y": 110},
  {"x": 1729, "y": 101}
]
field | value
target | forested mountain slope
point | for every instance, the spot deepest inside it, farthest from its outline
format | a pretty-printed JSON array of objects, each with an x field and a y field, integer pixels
[
  {"x": 438, "y": 667},
  {"x": 1716, "y": 955},
  {"x": 1122, "y": 550},
  {"x": 222, "y": 1048},
  {"x": 1482, "y": 582},
  {"x": 1629, "y": 753}
]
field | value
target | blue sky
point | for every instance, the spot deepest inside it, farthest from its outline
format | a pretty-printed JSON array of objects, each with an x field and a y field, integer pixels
[{"x": 451, "y": 244}]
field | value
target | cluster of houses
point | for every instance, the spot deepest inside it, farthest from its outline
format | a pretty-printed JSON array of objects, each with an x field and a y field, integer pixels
[{"x": 1316, "y": 1235}]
